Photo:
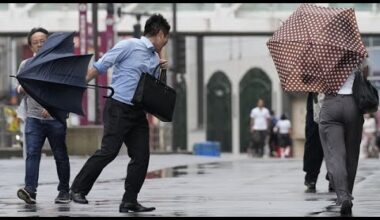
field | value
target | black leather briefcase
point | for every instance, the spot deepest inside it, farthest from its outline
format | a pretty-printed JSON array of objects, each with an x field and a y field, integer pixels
[{"x": 155, "y": 97}]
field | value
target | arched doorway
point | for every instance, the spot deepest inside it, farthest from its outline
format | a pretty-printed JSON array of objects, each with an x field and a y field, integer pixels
[
  {"x": 254, "y": 85},
  {"x": 219, "y": 111}
]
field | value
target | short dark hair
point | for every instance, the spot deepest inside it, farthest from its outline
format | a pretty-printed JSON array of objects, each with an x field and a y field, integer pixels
[
  {"x": 35, "y": 30},
  {"x": 154, "y": 24}
]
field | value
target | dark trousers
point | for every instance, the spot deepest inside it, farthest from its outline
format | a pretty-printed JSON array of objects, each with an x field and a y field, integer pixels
[
  {"x": 122, "y": 123},
  {"x": 313, "y": 152},
  {"x": 273, "y": 142},
  {"x": 341, "y": 126},
  {"x": 36, "y": 132},
  {"x": 258, "y": 142}
]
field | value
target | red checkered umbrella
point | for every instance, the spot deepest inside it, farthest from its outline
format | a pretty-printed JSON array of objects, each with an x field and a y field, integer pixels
[{"x": 316, "y": 49}]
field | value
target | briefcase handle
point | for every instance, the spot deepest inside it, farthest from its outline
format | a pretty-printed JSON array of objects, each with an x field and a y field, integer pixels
[{"x": 162, "y": 76}]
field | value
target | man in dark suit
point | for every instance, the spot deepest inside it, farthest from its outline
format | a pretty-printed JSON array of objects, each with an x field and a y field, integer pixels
[{"x": 123, "y": 121}]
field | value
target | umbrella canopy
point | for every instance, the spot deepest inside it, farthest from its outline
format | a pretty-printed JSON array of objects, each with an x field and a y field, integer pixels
[
  {"x": 55, "y": 77},
  {"x": 316, "y": 49}
]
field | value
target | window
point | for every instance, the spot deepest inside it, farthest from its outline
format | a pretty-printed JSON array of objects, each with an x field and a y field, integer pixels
[
  {"x": 152, "y": 7},
  {"x": 375, "y": 41},
  {"x": 196, "y": 7},
  {"x": 3, "y": 7},
  {"x": 269, "y": 7},
  {"x": 356, "y": 6},
  {"x": 55, "y": 7},
  {"x": 366, "y": 41},
  {"x": 246, "y": 7}
]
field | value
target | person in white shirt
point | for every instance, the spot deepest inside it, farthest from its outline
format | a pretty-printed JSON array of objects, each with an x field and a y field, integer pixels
[
  {"x": 340, "y": 130},
  {"x": 260, "y": 119},
  {"x": 283, "y": 128},
  {"x": 368, "y": 146}
]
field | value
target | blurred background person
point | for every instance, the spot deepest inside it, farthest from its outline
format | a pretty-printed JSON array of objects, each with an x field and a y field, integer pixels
[
  {"x": 273, "y": 140},
  {"x": 260, "y": 120},
  {"x": 368, "y": 148},
  {"x": 283, "y": 128}
]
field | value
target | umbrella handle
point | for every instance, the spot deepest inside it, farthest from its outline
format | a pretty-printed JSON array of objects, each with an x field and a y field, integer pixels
[{"x": 105, "y": 87}]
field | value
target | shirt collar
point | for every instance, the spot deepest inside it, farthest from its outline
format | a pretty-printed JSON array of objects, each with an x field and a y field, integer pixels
[{"x": 147, "y": 43}]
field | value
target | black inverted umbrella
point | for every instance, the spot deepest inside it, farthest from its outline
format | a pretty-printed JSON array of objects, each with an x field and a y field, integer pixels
[{"x": 56, "y": 77}]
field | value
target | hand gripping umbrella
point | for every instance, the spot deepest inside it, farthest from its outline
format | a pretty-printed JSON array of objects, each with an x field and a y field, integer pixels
[
  {"x": 56, "y": 77},
  {"x": 317, "y": 48}
]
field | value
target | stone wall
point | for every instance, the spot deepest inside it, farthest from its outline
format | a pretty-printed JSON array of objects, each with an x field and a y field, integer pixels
[{"x": 83, "y": 140}]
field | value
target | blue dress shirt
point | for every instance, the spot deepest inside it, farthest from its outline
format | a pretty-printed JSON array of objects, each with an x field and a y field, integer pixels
[{"x": 130, "y": 58}]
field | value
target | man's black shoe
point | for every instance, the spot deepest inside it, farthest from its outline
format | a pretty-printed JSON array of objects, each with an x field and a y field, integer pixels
[
  {"x": 78, "y": 197},
  {"x": 134, "y": 207},
  {"x": 346, "y": 208},
  {"x": 28, "y": 197},
  {"x": 310, "y": 186},
  {"x": 62, "y": 198}
]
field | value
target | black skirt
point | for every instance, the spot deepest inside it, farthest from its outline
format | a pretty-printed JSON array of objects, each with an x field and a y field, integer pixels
[{"x": 284, "y": 140}]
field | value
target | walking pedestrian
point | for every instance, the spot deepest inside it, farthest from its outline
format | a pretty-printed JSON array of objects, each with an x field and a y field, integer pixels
[
  {"x": 39, "y": 125},
  {"x": 368, "y": 148},
  {"x": 340, "y": 127},
  {"x": 260, "y": 120},
  {"x": 283, "y": 127},
  {"x": 123, "y": 121},
  {"x": 273, "y": 142},
  {"x": 313, "y": 153}
]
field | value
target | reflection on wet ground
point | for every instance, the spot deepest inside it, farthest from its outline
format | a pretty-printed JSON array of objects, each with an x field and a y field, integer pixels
[
  {"x": 63, "y": 208},
  {"x": 235, "y": 188},
  {"x": 328, "y": 211},
  {"x": 194, "y": 169},
  {"x": 29, "y": 208}
]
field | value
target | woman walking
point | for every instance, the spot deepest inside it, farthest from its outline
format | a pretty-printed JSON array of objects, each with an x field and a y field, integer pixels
[{"x": 340, "y": 128}]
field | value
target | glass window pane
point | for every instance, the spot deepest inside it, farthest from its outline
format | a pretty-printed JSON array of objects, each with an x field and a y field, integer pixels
[
  {"x": 269, "y": 6},
  {"x": 227, "y": 5},
  {"x": 256, "y": 7},
  {"x": 286, "y": 6},
  {"x": 20, "y": 5},
  {"x": 376, "y": 41},
  {"x": 3, "y": 6},
  {"x": 374, "y": 56},
  {"x": 196, "y": 7},
  {"x": 149, "y": 7},
  {"x": 366, "y": 41},
  {"x": 356, "y": 6},
  {"x": 54, "y": 7}
]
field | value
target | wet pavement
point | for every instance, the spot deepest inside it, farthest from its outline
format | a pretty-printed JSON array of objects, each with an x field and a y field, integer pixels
[{"x": 189, "y": 185}]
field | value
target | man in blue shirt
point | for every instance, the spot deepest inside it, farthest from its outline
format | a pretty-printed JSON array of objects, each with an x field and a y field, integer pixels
[{"x": 123, "y": 121}]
